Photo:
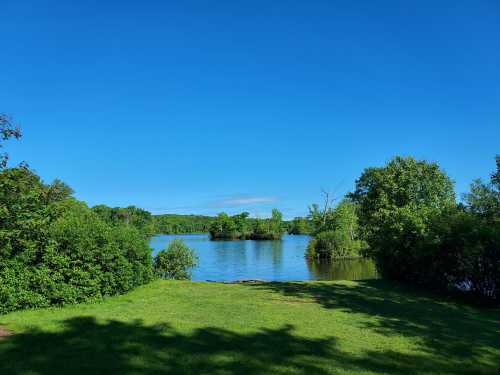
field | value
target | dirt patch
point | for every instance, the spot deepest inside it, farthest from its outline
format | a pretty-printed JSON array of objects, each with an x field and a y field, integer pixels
[{"x": 4, "y": 333}]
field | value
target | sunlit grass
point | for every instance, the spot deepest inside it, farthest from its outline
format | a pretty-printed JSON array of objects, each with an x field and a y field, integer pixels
[{"x": 368, "y": 327}]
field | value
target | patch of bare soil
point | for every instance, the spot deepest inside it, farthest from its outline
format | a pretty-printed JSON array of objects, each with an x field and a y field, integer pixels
[{"x": 4, "y": 333}]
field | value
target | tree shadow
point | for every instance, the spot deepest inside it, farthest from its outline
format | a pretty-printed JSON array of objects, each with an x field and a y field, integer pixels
[
  {"x": 447, "y": 332},
  {"x": 85, "y": 346}
]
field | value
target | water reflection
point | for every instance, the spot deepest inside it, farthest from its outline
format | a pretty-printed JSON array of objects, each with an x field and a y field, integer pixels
[
  {"x": 264, "y": 260},
  {"x": 351, "y": 269}
]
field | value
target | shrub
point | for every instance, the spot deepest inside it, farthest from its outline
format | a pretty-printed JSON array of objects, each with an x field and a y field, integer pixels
[
  {"x": 334, "y": 245},
  {"x": 54, "y": 250},
  {"x": 101, "y": 259},
  {"x": 300, "y": 225},
  {"x": 176, "y": 261},
  {"x": 467, "y": 254}
]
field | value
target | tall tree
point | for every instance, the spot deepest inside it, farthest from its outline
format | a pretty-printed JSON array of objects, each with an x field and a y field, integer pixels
[{"x": 396, "y": 206}]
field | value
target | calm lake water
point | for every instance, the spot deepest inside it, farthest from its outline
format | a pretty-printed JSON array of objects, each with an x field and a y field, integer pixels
[{"x": 263, "y": 260}]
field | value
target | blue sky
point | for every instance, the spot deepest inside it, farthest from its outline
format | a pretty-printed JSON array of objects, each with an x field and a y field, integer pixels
[{"x": 200, "y": 106}]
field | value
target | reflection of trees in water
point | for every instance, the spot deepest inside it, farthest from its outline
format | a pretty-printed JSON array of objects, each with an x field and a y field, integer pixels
[
  {"x": 269, "y": 251},
  {"x": 349, "y": 269},
  {"x": 277, "y": 251},
  {"x": 231, "y": 252}
]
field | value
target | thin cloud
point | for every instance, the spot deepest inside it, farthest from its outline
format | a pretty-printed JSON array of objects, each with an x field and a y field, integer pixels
[
  {"x": 242, "y": 200},
  {"x": 223, "y": 202}
]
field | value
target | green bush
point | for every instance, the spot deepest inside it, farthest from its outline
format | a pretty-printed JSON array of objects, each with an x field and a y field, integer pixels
[
  {"x": 466, "y": 254},
  {"x": 54, "y": 250},
  {"x": 300, "y": 225},
  {"x": 176, "y": 261},
  {"x": 334, "y": 245}
]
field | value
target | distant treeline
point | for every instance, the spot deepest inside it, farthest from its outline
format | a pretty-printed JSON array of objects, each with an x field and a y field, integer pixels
[
  {"x": 149, "y": 224},
  {"x": 247, "y": 227},
  {"x": 174, "y": 224}
]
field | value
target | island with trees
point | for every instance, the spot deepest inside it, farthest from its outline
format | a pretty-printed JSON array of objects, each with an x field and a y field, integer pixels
[{"x": 241, "y": 227}]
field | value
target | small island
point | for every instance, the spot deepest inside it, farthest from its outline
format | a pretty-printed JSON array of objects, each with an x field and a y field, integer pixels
[{"x": 242, "y": 227}]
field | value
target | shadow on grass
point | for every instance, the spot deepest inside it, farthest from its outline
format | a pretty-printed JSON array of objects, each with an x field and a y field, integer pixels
[
  {"x": 88, "y": 347},
  {"x": 453, "y": 341},
  {"x": 447, "y": 333}
]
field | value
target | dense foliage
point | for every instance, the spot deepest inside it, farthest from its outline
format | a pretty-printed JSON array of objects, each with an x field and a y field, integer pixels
[
  {"x": 176, "y": 224},
  {"x": 417, "y": 232},
  {"x": 300, "y": 225},
  {"x": 131, "y": 216},
  {"x": 336, "y": 232},
  {"x": 176, "y": 261},
  {"x": 240, "y": 226},
  {"x": 55, "y": 250}
]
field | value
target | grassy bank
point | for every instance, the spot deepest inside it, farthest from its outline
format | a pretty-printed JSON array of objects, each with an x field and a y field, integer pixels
[{"x": 368, "y": 327}]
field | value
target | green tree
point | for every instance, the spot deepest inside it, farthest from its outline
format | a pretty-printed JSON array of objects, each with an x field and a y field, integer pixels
[
  {"x": 176, "y": 261},
  {"x": 224, "y": 227},
  {"x": 484, "y": 198},
  {"x": 322, "y": 219},
  {"x": 54, "y": 250},
  {"x": 300, "y": 225},
  {"x": 133, "y": 216},
  {"x": 342, "y": 238},
  {"x": 277, "y": 222},
  {"x": 396, "y": 206},
  {"x": 7, "y": 131}
]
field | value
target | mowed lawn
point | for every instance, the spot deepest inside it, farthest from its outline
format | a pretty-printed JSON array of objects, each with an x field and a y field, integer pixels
[{"x": 371, "y": 327}]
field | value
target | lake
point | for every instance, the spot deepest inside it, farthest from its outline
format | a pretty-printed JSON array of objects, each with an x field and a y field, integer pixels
[{"x": 263, "y": 260}]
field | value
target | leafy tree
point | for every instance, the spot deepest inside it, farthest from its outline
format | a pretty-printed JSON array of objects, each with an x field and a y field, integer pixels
[
  {"x": 322, "y": 220},
  {"x": 276, "y": 222},
  {"x": 176, "y": 261},
  {"x": 300, "y": 225},
  {"x": 396, "y": 205},
  {"x": 224, "y": 227},
  {"x": 133, "y": 216},
  {"x": 336, "y": 244},
  {"x": 342, "y": 238},
  {"x": 26, "y": 210},
  {"x": 495, "y": 177},
  {"x": 463, "y": 251},
  {"x": 7, "y": 131},
  {"x": 55, "y": 250},
  {"x": 484, "y": 198}
]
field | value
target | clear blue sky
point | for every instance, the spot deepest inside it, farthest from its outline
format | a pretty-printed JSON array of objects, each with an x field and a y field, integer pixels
[{"x": 204, "y": 106}]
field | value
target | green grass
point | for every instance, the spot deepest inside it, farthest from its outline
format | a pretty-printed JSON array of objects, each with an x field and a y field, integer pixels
[{"x": 371, "y": 327}]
